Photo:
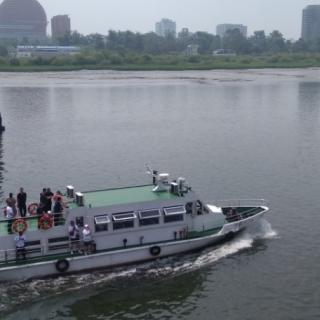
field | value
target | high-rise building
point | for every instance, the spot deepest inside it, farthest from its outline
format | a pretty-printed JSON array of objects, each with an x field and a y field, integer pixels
[
  {"x": 60, "y": 26},
  {"x": 22, "y": 19},
  {"x": 166, "y": 27},
  {"x": 311, "y": 23},
  {"x": 222, "y": 29}
]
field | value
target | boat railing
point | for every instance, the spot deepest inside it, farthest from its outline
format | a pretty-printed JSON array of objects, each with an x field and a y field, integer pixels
[
  {"x": 35, "y": 251},
  {"x": 236, "y": 203},
  {"x": 7, "y": 255},
  {"x": 10, "y": 255},
  {"x": 33, "y": 222}
]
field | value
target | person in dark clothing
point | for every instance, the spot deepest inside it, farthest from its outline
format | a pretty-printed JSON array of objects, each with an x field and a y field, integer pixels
[
  {"x": 57, "y": 212},
  {"x": 40, "y": 210},
  {"x": 22, "y": 202},
  {"x": 43, "y": 199},
  {"x": 49, "y": 196}
]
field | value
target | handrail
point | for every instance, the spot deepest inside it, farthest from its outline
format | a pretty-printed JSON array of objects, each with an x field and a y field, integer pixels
[
  {"x": 243, "y": 215},
  {"x": 31, "y": 217},
  {"x": 230, "y": 203},
  {"x": 9, "y": 255},
  {"x": 32, "y": 222}
]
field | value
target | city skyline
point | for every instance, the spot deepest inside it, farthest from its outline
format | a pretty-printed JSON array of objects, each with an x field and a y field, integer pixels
[{"x": 203, "y": 15}]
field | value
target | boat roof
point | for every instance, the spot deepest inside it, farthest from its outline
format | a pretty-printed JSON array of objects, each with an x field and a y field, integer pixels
[{"x": 118, "y": 196}]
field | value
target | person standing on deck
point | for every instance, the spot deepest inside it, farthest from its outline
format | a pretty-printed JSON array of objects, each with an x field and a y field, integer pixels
[
  {"x": 20, "y": 245},
  {"x": 11, "y": 202},
  {"x": 43, "y": 199},
  {"x": 87, "y": 239},
  {"x": 9, "y": 215},
  {"x": 57, "y": 212},
  {"x": 73, "y": 231},
  {"x": 49, "y": 196},
  {"x": 22, "y": 202}
]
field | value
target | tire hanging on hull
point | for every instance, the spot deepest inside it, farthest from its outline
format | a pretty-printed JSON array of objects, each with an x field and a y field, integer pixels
[
  {"x": 155, "y": 250},
  {"x": 62, "y": 265}
]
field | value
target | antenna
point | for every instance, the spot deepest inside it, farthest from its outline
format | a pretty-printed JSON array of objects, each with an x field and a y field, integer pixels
[
  {"x": 152, "y": 172},
  {"x": 149, "y": 170}
]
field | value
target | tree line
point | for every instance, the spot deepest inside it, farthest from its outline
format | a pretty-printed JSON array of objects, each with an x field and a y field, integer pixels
[{"x": 151, "y": 43}]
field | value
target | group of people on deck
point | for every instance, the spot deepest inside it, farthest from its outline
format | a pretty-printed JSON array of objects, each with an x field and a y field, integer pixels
[
  {"x": 49, "y": 203},
  {"x": 74, "y": 237},
  {"x": 11, "y": 207},
  {"x": 47, "y": 198}
]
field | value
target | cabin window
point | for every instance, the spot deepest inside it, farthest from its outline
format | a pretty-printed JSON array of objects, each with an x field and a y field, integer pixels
[
  {"x": 79, "y": 222},
  {"x": 123, "y": 220},
  {"x": 199, "y": 207},
  {"x": 60, "y": 239},
  {"x": 101, "y": 223},
  {"x": 58, "y": 243},
  {"x": 149, "y": 217},
  {"x": 173, "y": 214},
  {"x": 32, "y": 243},
  {"x": 189, "y": 207}
]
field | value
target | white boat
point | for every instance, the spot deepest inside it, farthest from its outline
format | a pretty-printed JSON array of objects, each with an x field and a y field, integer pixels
[{"x": 128, "y": 225}]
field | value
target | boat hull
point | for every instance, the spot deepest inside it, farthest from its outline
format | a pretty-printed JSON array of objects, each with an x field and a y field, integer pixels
[{"x": 124, "y": 256}]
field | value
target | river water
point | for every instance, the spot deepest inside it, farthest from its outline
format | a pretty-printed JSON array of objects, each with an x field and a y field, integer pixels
[{"x": 233, "y": 134}]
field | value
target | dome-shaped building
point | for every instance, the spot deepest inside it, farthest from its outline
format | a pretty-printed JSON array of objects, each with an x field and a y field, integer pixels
[{"x": 22, "y": 19}]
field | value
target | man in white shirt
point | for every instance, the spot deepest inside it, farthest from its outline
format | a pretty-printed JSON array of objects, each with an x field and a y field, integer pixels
[
  {"x": 87, "y": 239},
  {"x": 9, "y": 216}
]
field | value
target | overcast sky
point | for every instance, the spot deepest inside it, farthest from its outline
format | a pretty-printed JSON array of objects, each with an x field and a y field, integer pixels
[{"x": 89, "y": 16}]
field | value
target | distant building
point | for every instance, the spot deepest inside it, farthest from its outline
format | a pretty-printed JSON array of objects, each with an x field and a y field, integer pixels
[
  {"x": 22, "y": 19},
  {"x": 60, "y": 26},
  {"x": 192, "y": 50},
  {"x": 311, "y": 23},
  {"x": 223, "y": 28},
  {"x": 45, "y": 52},
  {"x": 166, "y": 27},
  {"x": 183, "y": 33}
]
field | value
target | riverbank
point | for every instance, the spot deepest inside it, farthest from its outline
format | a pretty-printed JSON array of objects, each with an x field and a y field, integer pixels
[{"x": 161, "y": 63}]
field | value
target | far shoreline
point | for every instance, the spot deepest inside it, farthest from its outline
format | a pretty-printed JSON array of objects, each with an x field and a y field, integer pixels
[
  {"x": 42, "y": 69},
  {"x": 163, "y": 63}
]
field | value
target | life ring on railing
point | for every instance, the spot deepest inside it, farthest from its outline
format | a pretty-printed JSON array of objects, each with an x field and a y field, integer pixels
[
  {"x": 46, "y": 222},
  {"x": 155, "y": 250},
  {"x": 32, "y": 209},
  {"x": 19, "y": 225},
  {"x": 62, "y": 265}
]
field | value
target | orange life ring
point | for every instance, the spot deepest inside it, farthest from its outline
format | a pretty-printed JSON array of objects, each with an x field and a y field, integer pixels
[
  {"x": 19, "y": 225},
  {"x": 46, "y": 222},
  {"x": 32, "y": 208}
]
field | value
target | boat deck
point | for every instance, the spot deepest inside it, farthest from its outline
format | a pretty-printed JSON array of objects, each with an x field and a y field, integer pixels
[{"x": 101, "y": 198}]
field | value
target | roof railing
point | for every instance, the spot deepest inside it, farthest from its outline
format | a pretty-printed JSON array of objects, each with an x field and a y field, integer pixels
[{"x": 230, "y": 203}]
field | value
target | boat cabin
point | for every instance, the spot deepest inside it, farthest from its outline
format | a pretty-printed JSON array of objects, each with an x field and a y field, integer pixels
[{"x": 120, "y": 218}]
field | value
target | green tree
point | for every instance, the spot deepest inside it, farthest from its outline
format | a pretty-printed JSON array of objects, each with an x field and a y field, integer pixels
[
  {"x": 96, "y": 40},
  {"x": 276, "y": 42},
  {"x": 258, "y": 42},
  {"x": 236, "y": 41},
  {"x": 207, "y": 42}
]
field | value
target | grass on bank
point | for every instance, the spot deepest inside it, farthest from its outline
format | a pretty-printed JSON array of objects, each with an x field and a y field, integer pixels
[{"x": 107, "y": 61}]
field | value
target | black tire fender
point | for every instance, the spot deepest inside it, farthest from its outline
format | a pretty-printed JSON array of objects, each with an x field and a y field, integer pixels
[
  {"x": 62, "y": 265},
  {"x": 155, "y": 250}
]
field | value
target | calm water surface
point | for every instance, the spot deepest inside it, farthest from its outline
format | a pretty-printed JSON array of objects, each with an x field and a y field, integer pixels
[{"x": 233, "y": 134}]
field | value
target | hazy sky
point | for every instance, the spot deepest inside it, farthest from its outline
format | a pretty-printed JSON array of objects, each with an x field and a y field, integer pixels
[{"x": 88, "y": 16}]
